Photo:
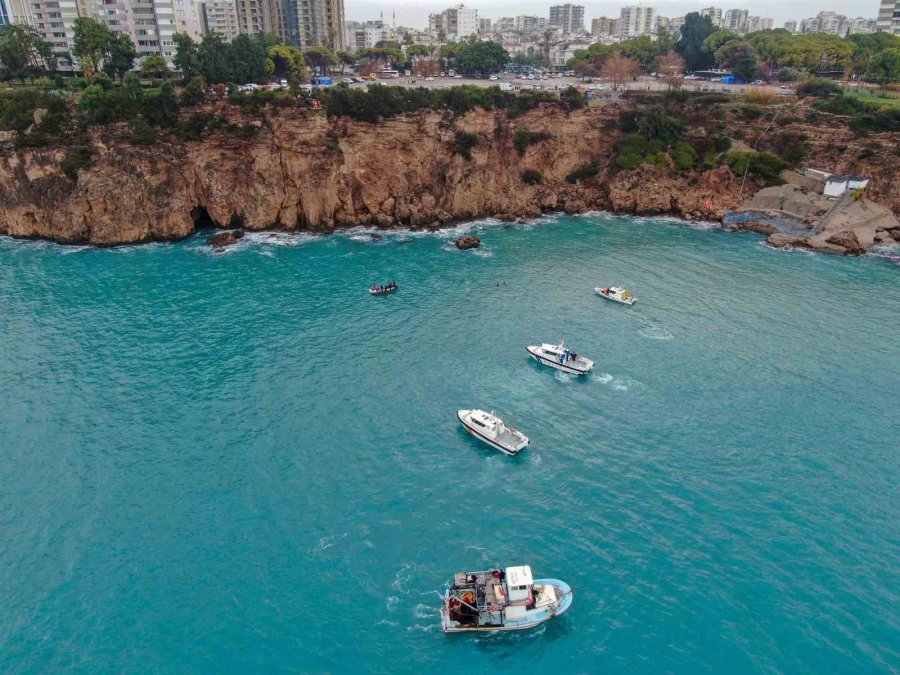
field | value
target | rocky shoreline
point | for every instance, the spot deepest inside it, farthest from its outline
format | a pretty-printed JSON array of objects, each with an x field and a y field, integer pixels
[{"x": 305, "y": 173}]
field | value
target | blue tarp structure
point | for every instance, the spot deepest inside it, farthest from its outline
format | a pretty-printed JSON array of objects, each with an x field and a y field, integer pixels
[{"x": 731, "y": 79}]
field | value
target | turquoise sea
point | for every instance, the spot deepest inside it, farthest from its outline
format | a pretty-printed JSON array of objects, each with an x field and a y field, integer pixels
[{"x": 242, "y": 462}]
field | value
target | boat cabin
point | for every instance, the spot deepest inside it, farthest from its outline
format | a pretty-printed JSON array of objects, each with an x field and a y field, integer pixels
[{"x": 519, "y": 583}]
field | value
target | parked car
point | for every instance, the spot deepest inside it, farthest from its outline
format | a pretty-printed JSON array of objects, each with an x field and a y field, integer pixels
[{"x": 249, "y": 87}]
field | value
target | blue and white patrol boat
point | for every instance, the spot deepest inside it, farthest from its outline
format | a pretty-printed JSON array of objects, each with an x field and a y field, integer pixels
[{"x": 561, "y": 358}]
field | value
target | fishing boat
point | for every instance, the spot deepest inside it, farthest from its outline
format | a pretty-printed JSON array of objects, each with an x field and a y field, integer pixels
[
  {"x": 499, "y": 599},
  {"x": 561, "y": 358},
  {"x": 489, "y": 428},
  {"x": 617, "y": 294},
  {"x": 383, "y": 289}
]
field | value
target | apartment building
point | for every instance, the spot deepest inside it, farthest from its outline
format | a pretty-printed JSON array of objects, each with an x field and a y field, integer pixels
[
  {"x": 567, "y": 18},
  {"x": 220, "y": 16},
  {"x": 833, "y": 23},
  {"x": 456, "y": 23},
  {"x": 889, "y": 17},
  {"x": 736, "y": 20},
  {"x": 790, "y": 26},
  {"x": 637, "y": 20},
  {"x": 715, "y": 15},
  {"x": 605, "y": 26},
  {"x": 53, "y": 20},
  {"x": 755, "y": 23},
  {"x": 314, "y": 23},
  {"x": 367, "y": 34}
]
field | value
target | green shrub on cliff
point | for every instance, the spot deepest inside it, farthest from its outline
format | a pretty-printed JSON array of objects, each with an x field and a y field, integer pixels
[
  {"x": 844, "y": 105},
  {"x": 656, "y": 123},
  {"x": 765, "y": 165},
  {"x": 77, "y": 158},
  {"x": 463, "y": 143},
  {"x": 142, "y": 133},
  {"x": 684, "y": 156},
  {"x": 381, "y": 102},
  {"x": 885, "y": 120},
  {"x": 532, "y": 177},
  {"x": 723, "y": 144},
  {"x": 818, "y": 86},
  {"x": 586, "y": 170},
  {"x": 17, "y": 108},
  {"x": 524, "y": 138},
  {"x": 572, "y": 99}
]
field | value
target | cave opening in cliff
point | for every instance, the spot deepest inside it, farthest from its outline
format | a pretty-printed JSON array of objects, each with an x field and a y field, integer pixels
[{"x": 202, "y": 219}]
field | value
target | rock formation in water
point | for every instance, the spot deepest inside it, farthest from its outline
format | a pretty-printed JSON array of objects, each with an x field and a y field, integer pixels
[
  {"x": 804, "y": 218},
  {"x": 467, "y": 242}
]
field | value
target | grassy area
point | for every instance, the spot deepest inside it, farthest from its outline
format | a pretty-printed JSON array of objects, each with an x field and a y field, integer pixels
[{"x": 883, "y": 99}]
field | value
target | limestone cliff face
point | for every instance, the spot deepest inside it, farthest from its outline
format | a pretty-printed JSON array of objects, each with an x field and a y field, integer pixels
[{"x": 302, "y": 171}]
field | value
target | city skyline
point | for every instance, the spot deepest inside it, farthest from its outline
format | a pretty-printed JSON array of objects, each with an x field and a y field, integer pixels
[{"x": 415, "y": 14}]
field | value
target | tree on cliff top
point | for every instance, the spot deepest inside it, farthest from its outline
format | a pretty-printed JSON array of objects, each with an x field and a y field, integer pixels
[
  {"x": 97, "y": 47},
  {"x": 186, "y": 59},
  {"x": 287, "y": 62},
  {"x": 620, "y": 69},
  {"x": 481, "y": 58},
  {"x": 694, "y": 32},
  {"x": 155, "y": 67},
  {"x": 320, "y": 58},
  {"x": 23, "y": 53}
]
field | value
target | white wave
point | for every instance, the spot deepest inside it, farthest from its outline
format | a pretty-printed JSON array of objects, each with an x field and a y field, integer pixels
[
  {"x": 788, "y": 249},
  {"x": 423, "y": 611},
  {"x": 603, "y": 378},
  {"x": 561, "y": 376},
  {"x": 391, "y": 602},
  {"x": 656, "y": 333}
]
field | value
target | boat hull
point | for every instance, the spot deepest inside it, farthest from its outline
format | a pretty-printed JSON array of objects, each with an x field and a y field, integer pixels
[
  {"x": 537, "y": 356},
  {"x": 484, "y": 439},
  {"x": 536, "y": 619}
]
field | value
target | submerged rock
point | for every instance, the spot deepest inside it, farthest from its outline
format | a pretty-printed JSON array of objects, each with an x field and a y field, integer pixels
[
  {"x": 223, "y": 239},
  {"x": 467, "y": 242}
]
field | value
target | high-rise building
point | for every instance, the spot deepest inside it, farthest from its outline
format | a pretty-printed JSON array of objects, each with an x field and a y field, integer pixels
[
  {"x": 151, "y": 24},
  {"x": 5, "y": 14},
  {"x": 637, "y": 20},
  {"x": 456, "y": 23},
  {"x": 568, "y": 18},
  {"x": 836, "y": 24},
  {"x": 715, "y": 15},
  {"x": 367, "y": 34},
  {"x": 54, "y": 20},
  {"x": 861, "y": 25},
  {"x": 527, "y": 24},
  {"x": 736, "y": 20},
  {"x": 220, "y": 16},
  {"x": 506, "y": 24},
  {"x": 755, "y": 23},
  {"x": 889, "y": 17},
  {"x": 484, "y": 26},
  {"x": 314, "y": 23},
  {"x": 790, "y": 26},
  {"x": 604, "y": 26}
]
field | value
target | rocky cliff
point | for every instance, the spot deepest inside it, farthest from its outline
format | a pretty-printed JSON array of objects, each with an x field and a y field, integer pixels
[{"x": 302, "y": 171}]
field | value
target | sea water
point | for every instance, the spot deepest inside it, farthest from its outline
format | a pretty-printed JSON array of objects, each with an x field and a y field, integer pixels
[{"x": 241, "y": 461}]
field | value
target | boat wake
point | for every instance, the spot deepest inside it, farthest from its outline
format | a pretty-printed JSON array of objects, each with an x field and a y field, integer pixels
[{"x": 655, "y": 332}]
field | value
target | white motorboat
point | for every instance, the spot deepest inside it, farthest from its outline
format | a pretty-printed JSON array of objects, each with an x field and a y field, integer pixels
[
  {"x": 617, "y": 294},
  {"x": 557, "y": 356},
  {"x": 487, "y": 427},
  {"x": 502, "y": 600}
]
